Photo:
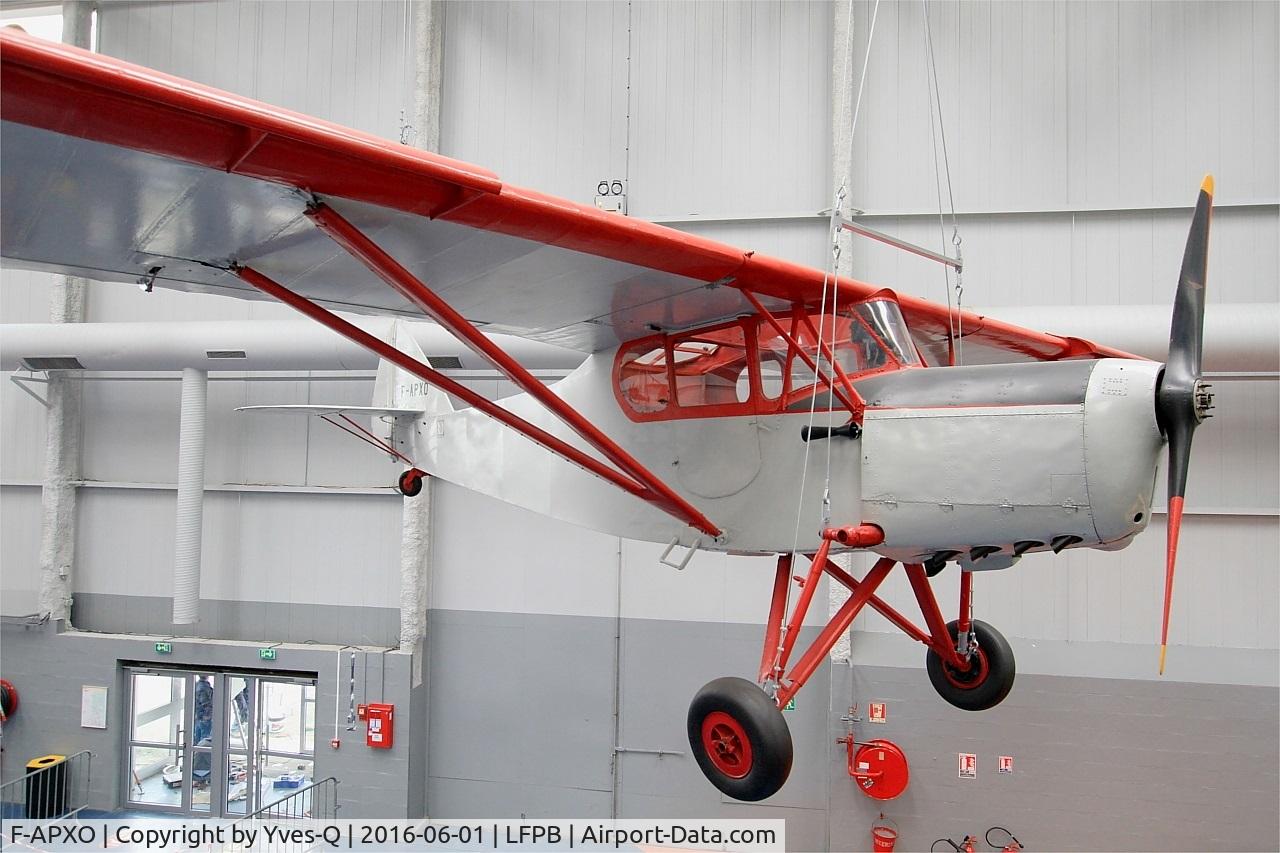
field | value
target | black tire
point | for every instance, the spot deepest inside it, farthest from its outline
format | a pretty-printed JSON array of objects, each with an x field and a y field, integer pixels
[
  {"x": 410, "y": 482},
  {"x": 983, "y": 686},
  {"x": 736, "y": 719}
]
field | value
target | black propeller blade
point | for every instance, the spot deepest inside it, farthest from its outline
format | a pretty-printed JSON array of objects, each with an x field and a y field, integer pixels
[{"x": 1183, "y": 400}]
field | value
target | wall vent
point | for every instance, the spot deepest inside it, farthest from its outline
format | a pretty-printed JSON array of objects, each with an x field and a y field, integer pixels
[
  {"x": 52, "y": 362},
  {"x": 225, "y": 353},
  {"x": 444, "y": 362}
]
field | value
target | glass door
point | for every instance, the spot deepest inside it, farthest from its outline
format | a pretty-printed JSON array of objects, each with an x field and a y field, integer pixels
[
  {"x": 284, "y": 758},
  {"x": 203, "y": 782},
  {"x": 241, "y": 708},
  {"x": 258, "y": 732},
  {"x": 158, "y": 740}
]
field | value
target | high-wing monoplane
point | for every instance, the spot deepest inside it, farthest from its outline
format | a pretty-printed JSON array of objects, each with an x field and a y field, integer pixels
[{"x": 729, "y": 401}]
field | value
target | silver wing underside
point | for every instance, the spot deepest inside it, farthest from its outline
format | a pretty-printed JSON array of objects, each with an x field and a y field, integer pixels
[{"x": 81, "y": 207}]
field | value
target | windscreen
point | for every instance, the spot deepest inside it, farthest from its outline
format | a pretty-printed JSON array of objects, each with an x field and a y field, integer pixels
[{"x": 885, "y": 319}]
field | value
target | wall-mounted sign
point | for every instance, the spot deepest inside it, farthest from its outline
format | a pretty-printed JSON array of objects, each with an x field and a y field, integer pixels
[
  {"x": 968, "y": 765},
  {"x": 93, "y": 707},
  {"x": 267, "y": 654},
  {"x": 164, "y": 648},
  {"x": 877, "y": 712},
  {"x": 1006, "y": 764}
]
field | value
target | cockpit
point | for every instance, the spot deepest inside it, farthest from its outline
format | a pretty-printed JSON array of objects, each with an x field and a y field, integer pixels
[{"x": 752, "y": 365}]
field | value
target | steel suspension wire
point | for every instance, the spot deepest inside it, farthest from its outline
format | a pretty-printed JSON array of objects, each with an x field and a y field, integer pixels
[
  {"x": 847, "y": 180},
  {"x": 829, "y": 281},
  {"x": 955, "y": 321}
]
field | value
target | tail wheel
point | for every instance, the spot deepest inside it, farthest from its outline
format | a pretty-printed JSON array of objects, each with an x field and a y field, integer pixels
[
  {"x": 740, "y": 739},
  {"x": 989, "y": 677},
  {"x": 410, "y": 482}
]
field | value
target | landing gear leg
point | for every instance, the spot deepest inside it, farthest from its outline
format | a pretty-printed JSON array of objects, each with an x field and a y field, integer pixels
[
  {"x": 736, "y": 729},
  {"x": 989, "y": 677},
  {"x": 970, "y": 663}
]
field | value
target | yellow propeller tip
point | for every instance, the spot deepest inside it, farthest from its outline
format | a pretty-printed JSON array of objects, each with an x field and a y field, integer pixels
[
  {"x": 1163, "y": 649},
  {"x": 1207, "y": 184}
]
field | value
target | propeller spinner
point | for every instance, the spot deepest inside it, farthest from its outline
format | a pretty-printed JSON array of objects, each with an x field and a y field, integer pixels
[{"x": 1183, "y": 399}]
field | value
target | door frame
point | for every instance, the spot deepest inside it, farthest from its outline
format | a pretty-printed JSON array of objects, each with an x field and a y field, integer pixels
[{"x": 220, "y": 749}]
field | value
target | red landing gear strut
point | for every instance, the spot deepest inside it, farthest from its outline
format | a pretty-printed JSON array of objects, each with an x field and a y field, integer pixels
[{"x": 736, "y": 728}]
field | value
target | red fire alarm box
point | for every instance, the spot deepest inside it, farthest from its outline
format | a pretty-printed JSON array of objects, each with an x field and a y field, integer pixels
[{"x": 381, "y": 732}]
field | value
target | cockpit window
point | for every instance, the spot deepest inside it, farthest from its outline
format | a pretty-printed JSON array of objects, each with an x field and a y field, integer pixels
[
  {"x": 884, "y": 318},
  {"x": 710, "y": 366},
  {"x": 643, "y": 379},
  {"x": 748, "y": 366}
]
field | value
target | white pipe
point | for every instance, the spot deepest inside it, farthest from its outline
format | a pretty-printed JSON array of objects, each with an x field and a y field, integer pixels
[
  {"x": 190, "y": 519},
  {"x": 267, "y": 345}
]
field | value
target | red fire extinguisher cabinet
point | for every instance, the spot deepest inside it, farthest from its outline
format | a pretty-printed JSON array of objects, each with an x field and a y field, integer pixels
[{"x": 381, "y": 725}]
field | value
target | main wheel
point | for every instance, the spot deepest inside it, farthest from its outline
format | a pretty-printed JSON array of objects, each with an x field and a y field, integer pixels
[
  {"x": 740, "y": 739},
  {"x": 989, "y": 677},
  {"x": 410, "y": 482}
]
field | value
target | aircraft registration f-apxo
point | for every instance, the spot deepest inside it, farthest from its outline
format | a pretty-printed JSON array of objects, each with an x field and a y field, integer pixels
[{"x": 712, "y": 374}]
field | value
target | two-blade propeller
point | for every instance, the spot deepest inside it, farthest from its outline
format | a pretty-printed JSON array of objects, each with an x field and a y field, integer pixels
[{"x": 1183, "y": 399}]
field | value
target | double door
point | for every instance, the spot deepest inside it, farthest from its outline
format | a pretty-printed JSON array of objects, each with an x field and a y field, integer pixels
[{"x": 216, "y": 744}]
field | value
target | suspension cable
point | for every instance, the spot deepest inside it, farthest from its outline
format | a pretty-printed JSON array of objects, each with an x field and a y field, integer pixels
[
  {"x": 847, "y": 179},
  {"x": 955, "y": 320},
  {"x": 830, "y": 280}
]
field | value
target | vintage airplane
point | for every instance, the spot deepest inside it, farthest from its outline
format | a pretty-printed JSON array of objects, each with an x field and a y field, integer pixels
[{"x": 730, "y": 400}]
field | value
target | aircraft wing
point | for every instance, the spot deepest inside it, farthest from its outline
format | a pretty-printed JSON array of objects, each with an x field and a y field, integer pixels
[{"x": 118, "y": 172}]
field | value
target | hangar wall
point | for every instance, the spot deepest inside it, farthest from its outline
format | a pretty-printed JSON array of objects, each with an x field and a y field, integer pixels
[{"x": 718, "y": 117}]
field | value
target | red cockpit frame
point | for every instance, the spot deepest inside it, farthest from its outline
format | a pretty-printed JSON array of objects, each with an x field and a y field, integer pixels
[{"x": 717, "y": 370}]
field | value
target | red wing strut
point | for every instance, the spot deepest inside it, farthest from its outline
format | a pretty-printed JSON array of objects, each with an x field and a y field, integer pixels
[{"x": 635, "y": 480}]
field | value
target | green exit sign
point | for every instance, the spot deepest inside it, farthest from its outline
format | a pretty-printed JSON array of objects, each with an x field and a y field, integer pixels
[
  {"x": 790, "y": 706},
  {"x": 164, "y": 648},
  {"x": 267, "y": 654}
]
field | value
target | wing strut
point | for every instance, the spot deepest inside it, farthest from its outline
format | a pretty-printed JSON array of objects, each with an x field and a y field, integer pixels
[
  {"x": 844, "y": 392},
  {"x": 633, "y": 478}
]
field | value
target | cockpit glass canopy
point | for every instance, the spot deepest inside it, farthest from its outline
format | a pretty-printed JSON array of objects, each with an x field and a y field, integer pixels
[
  {"x": 757, "y": 365},
  {"x": 883, "y": 316}
]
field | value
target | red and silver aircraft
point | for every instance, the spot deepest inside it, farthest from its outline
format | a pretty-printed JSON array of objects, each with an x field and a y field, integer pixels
[{"x": 692, "y": 419}]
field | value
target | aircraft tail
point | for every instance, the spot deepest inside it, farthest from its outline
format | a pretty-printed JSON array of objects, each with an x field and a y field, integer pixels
[{"x": 396, "y": 388}]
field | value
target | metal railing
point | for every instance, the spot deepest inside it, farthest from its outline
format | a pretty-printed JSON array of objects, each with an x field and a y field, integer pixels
[
  {"x": 53, "y": 792},
  {"x": 317, "y": 801}
]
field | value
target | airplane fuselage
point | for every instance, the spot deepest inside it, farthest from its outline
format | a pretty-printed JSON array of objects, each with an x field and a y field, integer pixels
[{"x": 950, "y": 459}]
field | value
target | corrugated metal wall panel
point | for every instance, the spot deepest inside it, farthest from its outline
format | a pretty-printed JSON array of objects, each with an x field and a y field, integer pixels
[
  {"x": 537, "y": 92},
  {"x": 730, "y": 109},
  {"x": 1052, "y": 105},
  {"x": 20, "y": 535},
  {"x": 299, "y": 548}
]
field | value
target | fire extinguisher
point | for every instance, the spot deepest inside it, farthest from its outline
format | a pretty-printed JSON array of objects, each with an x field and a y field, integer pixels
[
  {"x": 965, "y": 846},
  {"x": 1005, "y": 841}
]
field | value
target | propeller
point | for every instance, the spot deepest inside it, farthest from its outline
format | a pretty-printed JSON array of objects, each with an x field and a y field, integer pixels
[{"x": 1183, "y": 400}]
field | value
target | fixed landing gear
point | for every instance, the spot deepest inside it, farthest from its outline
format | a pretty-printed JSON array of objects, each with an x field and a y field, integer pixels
[
  {"x": 736, "y": 729},
  {"x": 739, "y": 738},
  {"x": 989, "y": 677},
  {"x": 410, "y": 482}
]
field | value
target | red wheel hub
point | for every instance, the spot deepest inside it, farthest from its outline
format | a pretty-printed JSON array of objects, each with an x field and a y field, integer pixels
[
  {"x": 726, "y": 744},
  {"x": 972, "y": 677}
]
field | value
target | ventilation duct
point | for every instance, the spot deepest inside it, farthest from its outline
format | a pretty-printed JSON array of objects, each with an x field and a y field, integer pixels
[{"x": 190, "y": 519}]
